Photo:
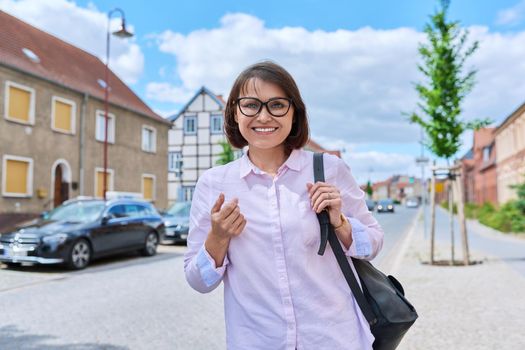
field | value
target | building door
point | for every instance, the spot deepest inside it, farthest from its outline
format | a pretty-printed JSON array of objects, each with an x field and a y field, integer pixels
[{"x": 61, "y": 188}]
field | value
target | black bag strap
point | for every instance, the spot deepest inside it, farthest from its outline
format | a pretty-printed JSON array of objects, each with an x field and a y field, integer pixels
[
  {"x": 328, "y": 234},
  {"x": 324, "y": 219}
]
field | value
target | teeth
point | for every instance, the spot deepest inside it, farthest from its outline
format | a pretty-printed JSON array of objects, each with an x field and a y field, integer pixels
[{"x": 264, "y": 129}]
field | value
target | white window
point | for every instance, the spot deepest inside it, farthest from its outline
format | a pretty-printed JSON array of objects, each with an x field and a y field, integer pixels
[
  {"x": 149, "y": 139},
  {"x": 101, "y": 127},
  {"x": 175, "y": 163},
  {"x": 17, "y": 176},
  {"x": 190, "y": 125},
  {"x": 216, "y": 124},
  {"x": 63, "y": 115},
  {"x": 19, "y": 103},
  {"x": 187, "y": 193},
  {"x": 486, "y": 154}
]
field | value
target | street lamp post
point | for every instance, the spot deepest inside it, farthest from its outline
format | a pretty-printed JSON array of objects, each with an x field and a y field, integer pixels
[
  {"x": 423, "y": 161},
  {"x": 121, "y": 33}
]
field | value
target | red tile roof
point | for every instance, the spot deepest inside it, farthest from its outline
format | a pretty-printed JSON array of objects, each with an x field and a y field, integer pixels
[
  {"x": 315, "y": 147},
  {"x": 62, "y": 63}
]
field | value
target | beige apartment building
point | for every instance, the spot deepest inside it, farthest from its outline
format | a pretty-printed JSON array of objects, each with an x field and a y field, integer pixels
[
  {"x": 52, "y": 126},
  {"x": 510, "y": 155}
]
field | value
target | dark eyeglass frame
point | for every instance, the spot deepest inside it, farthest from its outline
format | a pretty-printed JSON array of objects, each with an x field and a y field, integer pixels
[{"x": 265, "y": 104}]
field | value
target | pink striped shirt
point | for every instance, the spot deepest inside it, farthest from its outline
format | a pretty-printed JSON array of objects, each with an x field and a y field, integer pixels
[{"x": 278, "y": 292}]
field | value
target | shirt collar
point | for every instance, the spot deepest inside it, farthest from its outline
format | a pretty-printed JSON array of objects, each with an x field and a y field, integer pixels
[{"x": 294, "y": 162}]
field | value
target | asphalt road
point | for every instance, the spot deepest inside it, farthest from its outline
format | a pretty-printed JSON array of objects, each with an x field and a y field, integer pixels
[
  {"x": 127, "y": 302},
  {"x": 394, "y": 225}
]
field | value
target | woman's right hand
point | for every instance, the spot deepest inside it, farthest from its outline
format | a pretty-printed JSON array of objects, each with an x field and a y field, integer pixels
[{"x": 226, "y": 221}]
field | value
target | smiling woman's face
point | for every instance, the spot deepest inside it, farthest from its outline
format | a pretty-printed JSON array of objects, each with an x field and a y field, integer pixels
[{"x": 264, "y": 131}]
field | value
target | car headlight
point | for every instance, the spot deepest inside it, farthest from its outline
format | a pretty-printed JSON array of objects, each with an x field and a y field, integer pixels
[
  {"x": 58, "y": 238},
  {"x": 389, "y": 207},
  {"x": 379, "y": 207}
]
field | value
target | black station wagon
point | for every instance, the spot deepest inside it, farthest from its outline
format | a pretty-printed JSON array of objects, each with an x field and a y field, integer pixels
[{"x": 82, "y": 230}]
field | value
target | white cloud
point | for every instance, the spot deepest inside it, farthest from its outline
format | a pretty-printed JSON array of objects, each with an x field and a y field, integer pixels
[
  {"x": 352, "y": 81},
  {"x": 355, "y": 83},
  {"x": 372, "y": 165},
  {"x": 166, "y": 92},
  {"x": 82, "y": 27},
  {"x": 166, "y": 113},
  {"x": 378, "y": 166},
  {"x": 512, "y": 15}
]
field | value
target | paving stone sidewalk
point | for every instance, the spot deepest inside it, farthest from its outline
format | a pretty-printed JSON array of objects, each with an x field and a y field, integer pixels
[{"x": 462, "y": 308}]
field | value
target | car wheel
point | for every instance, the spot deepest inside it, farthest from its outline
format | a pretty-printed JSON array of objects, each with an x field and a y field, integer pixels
[
  {"x": 150, "y": 245},
  {"x": 12, "y": 264},
  {"x": 79, "y": 255}
]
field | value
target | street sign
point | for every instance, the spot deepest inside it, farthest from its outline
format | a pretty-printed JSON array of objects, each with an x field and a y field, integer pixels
[{"x": 422, "y": 160}]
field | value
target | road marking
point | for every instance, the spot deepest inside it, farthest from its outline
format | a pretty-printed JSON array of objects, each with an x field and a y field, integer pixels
[{"x": 390, "y": 264}]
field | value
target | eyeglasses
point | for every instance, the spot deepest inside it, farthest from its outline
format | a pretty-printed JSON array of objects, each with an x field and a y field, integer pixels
[{"x": 276, "y": 106}]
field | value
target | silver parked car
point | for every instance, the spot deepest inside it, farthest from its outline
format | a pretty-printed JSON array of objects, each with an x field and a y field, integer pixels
[{"x": 177, "y": 222}]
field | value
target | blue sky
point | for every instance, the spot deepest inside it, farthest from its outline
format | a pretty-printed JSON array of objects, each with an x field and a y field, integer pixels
[{"x": 354, "y": 61}]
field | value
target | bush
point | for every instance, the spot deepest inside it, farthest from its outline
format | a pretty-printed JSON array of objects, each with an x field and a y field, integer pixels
[
  {"x": 508, "y": 218},
  {"x": 471, "y": 210}
]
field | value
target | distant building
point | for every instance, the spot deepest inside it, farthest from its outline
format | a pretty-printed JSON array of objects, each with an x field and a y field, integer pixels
[
  {"x": 468, "y": 171},
  {"x": 381, "y": 190},
  {"x": 313, "y": 146},
  {"x": 52, "y": 126},
  {"x": 510, "y": 157},
  {"x": 398, "y": 187},
  {"x": 194, "y": 143},
  {"x": 479, "y": 169}
]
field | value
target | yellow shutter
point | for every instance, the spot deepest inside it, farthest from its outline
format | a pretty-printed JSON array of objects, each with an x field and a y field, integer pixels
[
  {"x": 147, "y": 188},
  {"x": 100, "y": 183},
  {"x": 16, "y": 176},
  {"x": 19, "y": 103},
  {"x": 62, "y": 116}
]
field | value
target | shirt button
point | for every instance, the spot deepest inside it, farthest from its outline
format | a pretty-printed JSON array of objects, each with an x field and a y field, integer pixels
[{"x": 291, "y": 326}]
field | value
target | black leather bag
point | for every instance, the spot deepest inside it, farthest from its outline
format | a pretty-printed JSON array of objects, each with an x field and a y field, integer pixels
[{"x": 382, "y": 299}]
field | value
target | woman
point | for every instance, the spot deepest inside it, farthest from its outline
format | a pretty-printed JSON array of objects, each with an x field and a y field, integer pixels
[{"x": 253, "y": 225}]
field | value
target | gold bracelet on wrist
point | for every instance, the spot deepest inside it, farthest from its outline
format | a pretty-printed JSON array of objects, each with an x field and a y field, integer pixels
[{"x": 343, "y": 221}]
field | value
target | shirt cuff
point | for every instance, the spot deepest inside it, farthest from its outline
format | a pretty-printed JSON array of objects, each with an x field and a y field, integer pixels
[
  {"x": 361, "y": 246},
  {"x": 210, "y": 273}
]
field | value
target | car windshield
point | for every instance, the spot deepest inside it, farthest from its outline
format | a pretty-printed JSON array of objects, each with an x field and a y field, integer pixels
[
  {"x": 77, "y": 212},
  {"x": 385, "y": 202},
  {"x": 180, "y": 209}
]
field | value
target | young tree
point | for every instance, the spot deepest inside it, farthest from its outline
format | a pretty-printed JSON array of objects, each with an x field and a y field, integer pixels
[
  {"x": 369, "y": 189},
  {"x": 445, "y": 86},
  {"x": 227, "y": 154}
]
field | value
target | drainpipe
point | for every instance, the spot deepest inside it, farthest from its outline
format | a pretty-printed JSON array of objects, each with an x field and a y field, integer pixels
[{"x": 82, "y": 139}]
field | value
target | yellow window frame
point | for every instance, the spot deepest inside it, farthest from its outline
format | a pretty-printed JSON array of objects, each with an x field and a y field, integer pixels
[
  {"x": 8, "y": 103},
  {"x": 9, "y": 190},
  {"x": 57, "y": 105}
]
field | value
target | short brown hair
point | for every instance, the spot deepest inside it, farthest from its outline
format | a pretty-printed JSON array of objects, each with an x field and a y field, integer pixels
[{"x": 271, "y": 73}]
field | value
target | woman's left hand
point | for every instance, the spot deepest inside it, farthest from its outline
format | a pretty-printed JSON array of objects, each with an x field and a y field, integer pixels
[{"x": 325, "y": 196}]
